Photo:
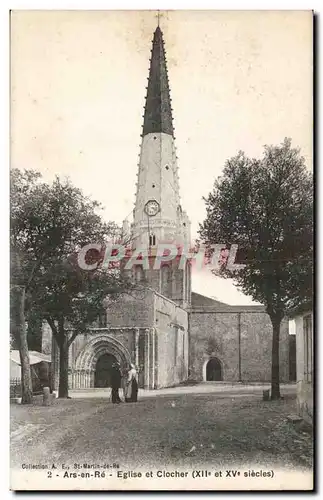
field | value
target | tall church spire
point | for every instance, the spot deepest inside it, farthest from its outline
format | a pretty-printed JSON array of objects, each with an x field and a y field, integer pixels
[
  {"x": 158, "y": 112},
  {"x": 158, "y": 216}
]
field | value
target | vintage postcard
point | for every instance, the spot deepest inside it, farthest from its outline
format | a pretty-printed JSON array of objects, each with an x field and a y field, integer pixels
[{"x": 161, "y": 242}]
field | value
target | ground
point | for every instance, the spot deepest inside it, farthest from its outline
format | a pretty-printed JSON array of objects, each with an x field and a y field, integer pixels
[{"x": 186, "y": 426}]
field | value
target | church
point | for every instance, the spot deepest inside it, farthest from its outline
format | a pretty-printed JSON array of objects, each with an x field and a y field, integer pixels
[{"x": 170, "y": 333}]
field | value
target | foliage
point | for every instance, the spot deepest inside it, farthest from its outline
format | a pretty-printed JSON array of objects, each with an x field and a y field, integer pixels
[
  {"x": 265, "y": 206},
  {"x": 49, "y": 225}
]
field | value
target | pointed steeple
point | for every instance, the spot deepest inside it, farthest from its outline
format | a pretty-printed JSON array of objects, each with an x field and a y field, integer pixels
[
  {"x": 158, "y": 216},
  {"x": 158, "y": 112}
]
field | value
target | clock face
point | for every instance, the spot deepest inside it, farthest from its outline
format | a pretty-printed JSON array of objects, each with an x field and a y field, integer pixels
[{"x": 152, "y": 208}]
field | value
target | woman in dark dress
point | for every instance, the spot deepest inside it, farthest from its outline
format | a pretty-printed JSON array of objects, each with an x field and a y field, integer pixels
[
  {"x": 115, "y": 383},
  {"x": 131, "y": 393}
]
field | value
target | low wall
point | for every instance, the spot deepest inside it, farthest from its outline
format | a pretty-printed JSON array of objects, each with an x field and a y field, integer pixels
[{"x": 305, "y": 400}]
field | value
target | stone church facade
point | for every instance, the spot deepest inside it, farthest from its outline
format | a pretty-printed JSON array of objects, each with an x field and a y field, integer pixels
[
  {"x": 233, "y": 343},
  {"x": 170, "y": 333}
]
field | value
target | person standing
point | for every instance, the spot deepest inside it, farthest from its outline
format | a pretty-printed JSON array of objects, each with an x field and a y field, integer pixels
[
  {"x": 115, "y": 383},
  {"x": 131, "y": 392}
]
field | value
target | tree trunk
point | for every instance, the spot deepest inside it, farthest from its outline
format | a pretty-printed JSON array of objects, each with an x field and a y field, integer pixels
[
  {"x": 63, "y": 368},
  {"x": 275, "y": 388},
  {"x": 26, "y": 381}
]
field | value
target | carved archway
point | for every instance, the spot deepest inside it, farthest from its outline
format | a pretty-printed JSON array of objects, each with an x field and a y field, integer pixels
[{"x": 85, "y": 364}]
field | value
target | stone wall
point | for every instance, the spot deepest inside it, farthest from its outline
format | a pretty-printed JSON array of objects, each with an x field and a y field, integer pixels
[
  {"x": 168, "y": 345},
  {"x": 172, "y": 342},
  {"x": 241, "y": 340},
  {"x": 305, "y": 400},
  {"x": 151, "y": 329},
  {"x": 304, "y": 374},
  {"x": 132, "y": 310}
]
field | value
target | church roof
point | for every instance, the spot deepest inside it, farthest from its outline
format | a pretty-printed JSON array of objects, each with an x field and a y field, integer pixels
[
  {"x": 158, "y": 112},
  {"x": 201, "y": 302}
]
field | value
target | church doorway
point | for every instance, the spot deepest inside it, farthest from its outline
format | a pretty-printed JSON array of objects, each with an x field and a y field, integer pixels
[
  {"x": 103, "y": 370},
  {"x": 214, "y": 370}
]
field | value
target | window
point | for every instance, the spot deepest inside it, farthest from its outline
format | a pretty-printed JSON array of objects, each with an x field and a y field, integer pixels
[
  {"x": 139, "y": 274},
  {"x": 308, "y": 353},
  {"x": 152, "y": 240}
]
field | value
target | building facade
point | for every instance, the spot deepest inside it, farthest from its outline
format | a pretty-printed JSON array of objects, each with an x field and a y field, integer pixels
[
  {"x": 304, "y": 361},
  {"x": 233, "y": 343},
  {"x": 170, "y": 334}
]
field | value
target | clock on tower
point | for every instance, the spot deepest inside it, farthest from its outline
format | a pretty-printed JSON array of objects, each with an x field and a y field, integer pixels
[{"x": 152, "y": 208}]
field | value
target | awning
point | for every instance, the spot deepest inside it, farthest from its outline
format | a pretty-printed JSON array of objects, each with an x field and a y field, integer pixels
[{"x": 34, "y": 357}]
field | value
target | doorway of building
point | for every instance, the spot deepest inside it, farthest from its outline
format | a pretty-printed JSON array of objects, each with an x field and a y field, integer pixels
[
  {"x": 103, "y": 370},
  {"x": 292, "y": 358},
  {"x": 214, "y": 370}
]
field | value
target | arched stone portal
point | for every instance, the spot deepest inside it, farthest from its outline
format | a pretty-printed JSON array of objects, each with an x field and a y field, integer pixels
[
  {"x": 83, "y": 375},
  {"x": 213, "y": 370}
]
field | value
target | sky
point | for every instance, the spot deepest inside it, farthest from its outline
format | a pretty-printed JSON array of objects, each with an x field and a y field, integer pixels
[{"x": 238, "y": 80}]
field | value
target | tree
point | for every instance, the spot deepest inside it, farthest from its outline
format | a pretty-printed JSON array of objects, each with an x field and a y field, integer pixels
[
  {"x": 18, "y": 324},
  {"x": 50, "y": 225},
  {"x": 265, "y": 206},
  {"x": 71, "y": 300},
  {"x": 21, "y": 274}
]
